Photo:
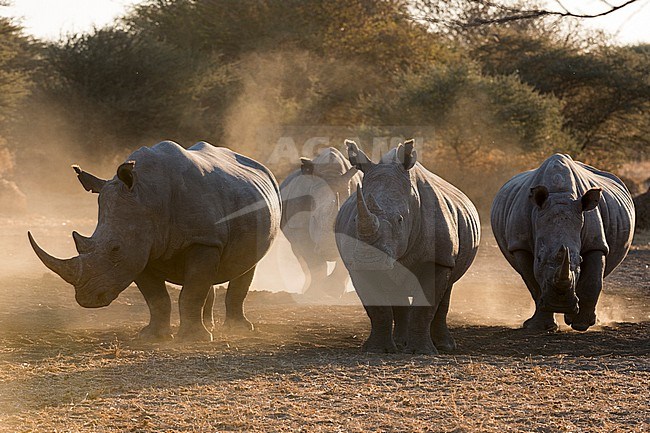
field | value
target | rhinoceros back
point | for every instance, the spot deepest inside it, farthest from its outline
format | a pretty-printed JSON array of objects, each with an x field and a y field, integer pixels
[
  {"x": 609, "y": 228},
  {"x": 211, "y": 196}
]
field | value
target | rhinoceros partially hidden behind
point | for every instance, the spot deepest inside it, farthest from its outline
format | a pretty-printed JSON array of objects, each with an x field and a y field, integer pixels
[
  {"x": 195, "y": 217},
  {"x": 563, "y": 227},
  {"x": 406, "y": 237},
  {"x": 311, "y": 197}
]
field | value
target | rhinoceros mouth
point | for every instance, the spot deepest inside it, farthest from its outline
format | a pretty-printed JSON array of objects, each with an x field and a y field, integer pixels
[
  {"x": 92, "y": 295},
  {"x": 96, "y": 299}
]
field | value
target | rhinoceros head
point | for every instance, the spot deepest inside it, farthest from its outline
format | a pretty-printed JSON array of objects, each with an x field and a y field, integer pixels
[
  {"x": 558, "y": 219},
  {"x": 383, "y": 220},
  {"x": 118, "y": 250},
  {"x": 329, "y": 187}
]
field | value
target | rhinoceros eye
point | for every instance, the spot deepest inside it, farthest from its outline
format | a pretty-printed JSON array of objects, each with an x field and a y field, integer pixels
[
  {"x": 400, "y": 219},
  {"x": 114, "y": 252}
]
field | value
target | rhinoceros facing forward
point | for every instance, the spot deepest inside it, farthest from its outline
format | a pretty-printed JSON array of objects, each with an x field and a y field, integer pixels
[
  {"x": 563, "y": 227},
  {"x": 194, "y": 217},
  {"x": 406, "y": 234},
  {"x": 311, "y": 198}
]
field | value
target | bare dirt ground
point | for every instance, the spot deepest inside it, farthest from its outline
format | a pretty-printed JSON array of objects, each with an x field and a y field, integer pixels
[{"x": 65, "y": 368}]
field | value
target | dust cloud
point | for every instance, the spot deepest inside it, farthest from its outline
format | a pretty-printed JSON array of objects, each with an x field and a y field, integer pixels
[{"x": 54, "y": 204}]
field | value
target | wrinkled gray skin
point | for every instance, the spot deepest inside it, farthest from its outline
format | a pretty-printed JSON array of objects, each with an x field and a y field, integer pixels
[
  {"x": 311, "y": 197},
  {"x": 563, "y": 227},
  {"x": 192, "y": 217},
  {"x": 406, "y": 233}
]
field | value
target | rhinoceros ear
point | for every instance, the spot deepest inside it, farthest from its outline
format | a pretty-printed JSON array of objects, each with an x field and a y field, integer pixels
[
  {"x": 407, "y": 155},
  {"x": 88, "y": 181},
  {"x": 125, "y": 173},
  {"x": 348, "y": 175},
  {"x": 358, "y": 159},
  {"x": 307, "y": 166},
  {"x": 590, "y": 199},
  {"x": 538, "y": 195}
]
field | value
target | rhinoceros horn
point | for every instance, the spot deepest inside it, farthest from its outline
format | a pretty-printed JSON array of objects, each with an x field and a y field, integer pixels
[
  {"x": 367, "y": 223},
  {"x": 82, "y": 243},
  {"x": 68, "y": 269},
  {"x": 563, "y": 274}
]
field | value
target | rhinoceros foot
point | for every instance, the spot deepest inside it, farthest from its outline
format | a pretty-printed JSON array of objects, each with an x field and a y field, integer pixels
[
  {"x": 445, "y": 343},
  {"x": 238, "y": 325},
  {"x": 544, "y": 322},
  {"x": 374, "y": 345},
  {"x": 580, "y": 322},
  {"x": 420, "y": 344},
  {"x": 401, "y": 338},
  {"x": 420, "y": 349},
  {"x": 188, "y": 335},
  {"x": 155, "y": 333}
]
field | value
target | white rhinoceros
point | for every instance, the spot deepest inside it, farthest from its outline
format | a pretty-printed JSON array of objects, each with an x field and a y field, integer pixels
[
  {"x": 311, "y": 198},
  {"x": 195, "y": 217},
  {"x": 406, "y": 237},
  {"x": 563, "y": 227}
]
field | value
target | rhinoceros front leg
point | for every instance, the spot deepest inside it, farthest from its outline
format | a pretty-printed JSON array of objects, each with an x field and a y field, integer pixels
[
  {"x": 376, "y": 300},
  {"x": 588, "y": 290},
  {"x": 540, "y": 320},
  {"x": 201, "y": 264},
  {"x": 315, "y": 269},
  {"x": 434, "y": 282},
  {"x": 155, "y": 294},
  {"x": 337, "y": 280},
  {"x": 235, "y": 295}
]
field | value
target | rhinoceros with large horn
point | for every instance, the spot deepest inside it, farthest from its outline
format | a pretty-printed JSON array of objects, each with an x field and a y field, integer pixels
[
  {"x": 406, "y": 237},
  {"x": 311, "y": 197},
  {"x": 194, "y": 217},
  {"x": 563, "y": 227}
]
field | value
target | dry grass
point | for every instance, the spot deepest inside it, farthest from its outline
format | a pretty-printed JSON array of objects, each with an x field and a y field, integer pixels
[{"x": 302, "y": 371}]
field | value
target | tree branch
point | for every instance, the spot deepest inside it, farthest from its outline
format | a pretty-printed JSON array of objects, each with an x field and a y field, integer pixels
[{"x": 510, "y": 14}]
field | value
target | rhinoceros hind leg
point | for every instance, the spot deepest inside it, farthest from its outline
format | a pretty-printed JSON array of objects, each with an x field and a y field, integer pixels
[
  {"x": 400, "y": 330},
  {"x": 440, "y": 334},
  {"x": 208, "y": 308},
  {"x": 235, "y": 295}
]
